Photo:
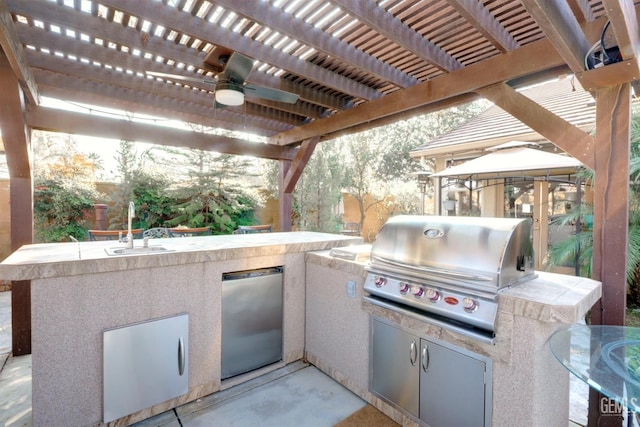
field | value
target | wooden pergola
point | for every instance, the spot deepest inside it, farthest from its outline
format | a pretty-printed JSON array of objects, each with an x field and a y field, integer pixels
[{"x": 354, "y": 65}]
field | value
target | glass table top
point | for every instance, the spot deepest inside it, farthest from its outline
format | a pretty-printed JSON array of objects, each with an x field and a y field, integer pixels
[{"x": 605, "y": 357}]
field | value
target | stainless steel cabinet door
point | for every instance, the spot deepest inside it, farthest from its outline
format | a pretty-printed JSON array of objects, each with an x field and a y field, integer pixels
[
  {"x": 145, "y": 364},
  {"x": 394, "y": 364},
  {"x": 452, "y": 387}
]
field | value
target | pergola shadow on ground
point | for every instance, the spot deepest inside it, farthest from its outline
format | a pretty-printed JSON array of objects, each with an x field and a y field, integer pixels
[{"x": 351, "y": 65}]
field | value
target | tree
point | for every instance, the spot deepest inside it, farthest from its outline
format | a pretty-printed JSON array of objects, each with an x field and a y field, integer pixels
[
  {"x": 154, "y": 206},
  {"x": 127, "y": 164},
  {"x": 361, "y": 179},
  {"x": 213, "y": 190},
  {"x": 64, "y": 188},
  {"x": 375, "y": 166},
  {"x": 318, "y": 192}
]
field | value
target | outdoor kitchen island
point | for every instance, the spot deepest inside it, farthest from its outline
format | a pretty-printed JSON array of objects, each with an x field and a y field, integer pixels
[
  {"x": 78, "y": 292},
  {"x": 528, "y": 387}
]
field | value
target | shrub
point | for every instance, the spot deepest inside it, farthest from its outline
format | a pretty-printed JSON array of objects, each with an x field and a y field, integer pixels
[{"x": 61, "y": 209}]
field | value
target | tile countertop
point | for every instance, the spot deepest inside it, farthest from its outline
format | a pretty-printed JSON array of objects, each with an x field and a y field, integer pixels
[
  {"x": 45, "y": 260},
  {"x": 549, "y": 297}
]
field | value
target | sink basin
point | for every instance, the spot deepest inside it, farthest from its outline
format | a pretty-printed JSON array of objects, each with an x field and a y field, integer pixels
[{"x": 137, "y": 251}]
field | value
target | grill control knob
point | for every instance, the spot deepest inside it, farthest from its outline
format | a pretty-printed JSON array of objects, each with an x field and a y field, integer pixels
[
  {"x": 404, "y": 287},
  {"x": 432, "y": 295},
  {"x": 418, "y": 292},
  {"x": 379, "y": 281},
  {"x": 469, "y": 304}
]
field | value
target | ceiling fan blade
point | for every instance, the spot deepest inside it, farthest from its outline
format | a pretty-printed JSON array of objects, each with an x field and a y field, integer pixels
[
  {"x": 182, "y": 78},
  {"x": 270, "y": 94},
  {"x": 238, "y": 67}
]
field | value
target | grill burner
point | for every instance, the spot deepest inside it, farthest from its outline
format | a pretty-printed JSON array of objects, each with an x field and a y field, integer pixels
[{"x": 449, "y": 270}]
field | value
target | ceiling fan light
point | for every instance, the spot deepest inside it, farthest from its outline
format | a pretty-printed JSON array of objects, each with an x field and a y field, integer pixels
[{"x": 229, "y": 97}]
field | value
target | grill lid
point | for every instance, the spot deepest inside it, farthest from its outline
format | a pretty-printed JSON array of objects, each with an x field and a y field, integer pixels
[{"x": 483, "y": 253}]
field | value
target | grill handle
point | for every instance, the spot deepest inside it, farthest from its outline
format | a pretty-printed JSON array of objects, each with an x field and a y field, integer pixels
[
  {"x": 413, "y": 353},
  {"x": 425, "y": 357},
  {"x": 434, "y": 271}
]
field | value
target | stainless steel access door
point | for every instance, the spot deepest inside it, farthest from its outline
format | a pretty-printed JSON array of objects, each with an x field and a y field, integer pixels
[
  {"x": 144, "y": 364},
  {"x": 452, "y": 387},
  {"x": 251, "y": 320},
  {"x": 394, "y": 372}
]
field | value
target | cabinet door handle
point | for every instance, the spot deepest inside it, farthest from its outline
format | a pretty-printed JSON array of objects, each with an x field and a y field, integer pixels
[
  {"x": 413, "y": 353},
  {"x": 181, "y": 356},
  {"x": 425, "y": 358}
]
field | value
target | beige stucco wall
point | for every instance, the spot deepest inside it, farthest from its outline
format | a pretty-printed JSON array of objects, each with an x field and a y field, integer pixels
[{"x": 67, "y": 337}]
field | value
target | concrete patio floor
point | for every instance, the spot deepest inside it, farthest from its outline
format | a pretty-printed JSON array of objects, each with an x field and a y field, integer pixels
[{"x": 296, "y": 395}]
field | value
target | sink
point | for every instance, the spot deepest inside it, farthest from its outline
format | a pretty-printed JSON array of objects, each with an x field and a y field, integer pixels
[{"x": 137, "y": 251}]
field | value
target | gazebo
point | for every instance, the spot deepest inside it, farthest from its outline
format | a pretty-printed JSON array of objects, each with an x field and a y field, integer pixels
[
  {"x": 350, "y": 64},
  {"x": 516, "y": 162}
]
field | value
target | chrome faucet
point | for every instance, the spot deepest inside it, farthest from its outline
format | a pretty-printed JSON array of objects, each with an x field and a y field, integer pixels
[{"x": 132, "y": 214}]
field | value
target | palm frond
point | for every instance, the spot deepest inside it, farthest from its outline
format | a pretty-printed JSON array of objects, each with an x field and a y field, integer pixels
[{"x": 575, "y": 249}]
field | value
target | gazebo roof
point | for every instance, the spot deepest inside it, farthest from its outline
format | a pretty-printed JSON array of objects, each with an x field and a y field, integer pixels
[{"x": 512, "y": 162}]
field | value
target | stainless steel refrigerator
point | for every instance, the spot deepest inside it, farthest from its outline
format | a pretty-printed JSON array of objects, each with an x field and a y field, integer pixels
[{"x": 251, "y": 320}]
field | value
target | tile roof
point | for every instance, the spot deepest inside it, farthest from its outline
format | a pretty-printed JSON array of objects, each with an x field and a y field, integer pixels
[{"x": 564, "y": 97}]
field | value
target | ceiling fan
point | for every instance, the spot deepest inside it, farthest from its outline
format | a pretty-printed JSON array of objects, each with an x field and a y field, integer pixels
[{"x": 230, "y": 85}]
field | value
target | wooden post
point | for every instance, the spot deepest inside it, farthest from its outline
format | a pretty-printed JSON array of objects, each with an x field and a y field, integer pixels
[
  {"x": 540, "y": 220},
  {"x": 15, "y": 137},
  {"x": 611, "y": 219},
  {"x": 285, "y": 205}
]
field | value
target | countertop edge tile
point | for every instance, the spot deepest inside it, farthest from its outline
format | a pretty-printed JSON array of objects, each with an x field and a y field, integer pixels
[{"x": 45, "y": 260}]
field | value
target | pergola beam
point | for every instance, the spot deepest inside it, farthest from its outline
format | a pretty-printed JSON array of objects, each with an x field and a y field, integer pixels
[
  {"x": 298, "y": 164},
  {"x": 557, "y": 130},
  {"x": 562, "y": 29},
  {"x": 524, "y": 61},
  {"x": 200, "y": 97},
  {"x": 155, "y": 104},
  {"x": 581, "y": 10},
  {"x": 84, "y": 124},
  {"x": 128, "y": 103},
  {"x": 289, "y": 173},
  {"x": 624, "y": 21},
  {"x": 15, "y": 55},
  {"x": 474, "y": 12}
]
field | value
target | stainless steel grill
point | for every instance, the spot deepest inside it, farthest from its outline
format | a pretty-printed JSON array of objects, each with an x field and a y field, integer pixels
[{"x": 449, "y": 269}]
